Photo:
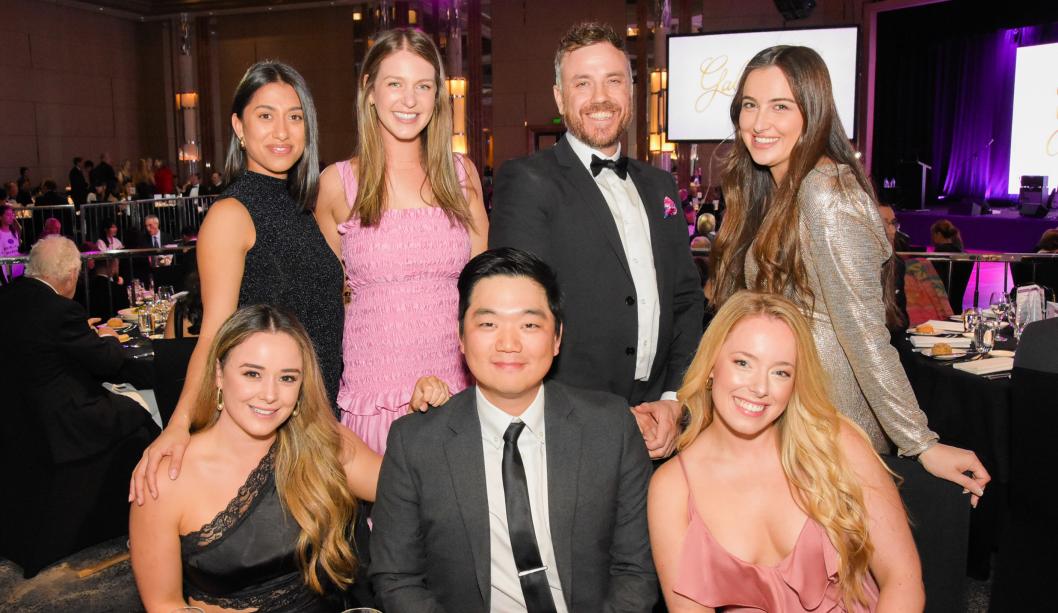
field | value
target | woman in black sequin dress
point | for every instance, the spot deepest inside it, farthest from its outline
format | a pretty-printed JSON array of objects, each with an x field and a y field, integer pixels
[{"x": 260, "y": 242}]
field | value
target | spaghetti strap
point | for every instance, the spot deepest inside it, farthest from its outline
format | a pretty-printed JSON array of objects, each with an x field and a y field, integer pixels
[{"x": 691, "y": 509}]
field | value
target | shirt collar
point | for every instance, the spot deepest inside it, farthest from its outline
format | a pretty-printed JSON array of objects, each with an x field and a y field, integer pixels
[
  {"x": 494, "y": 420},
  {"x": 48, "y": 284},
  {"x": 583, "y": 151}
]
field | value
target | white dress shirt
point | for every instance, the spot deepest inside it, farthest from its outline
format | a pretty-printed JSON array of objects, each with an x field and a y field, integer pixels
[
  {"x": 506, "y": 596},
  {"x": 633, "y": 227}
]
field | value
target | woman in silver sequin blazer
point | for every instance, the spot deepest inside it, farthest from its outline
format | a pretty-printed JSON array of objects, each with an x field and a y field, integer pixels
[{"x": 801, "y": 221}]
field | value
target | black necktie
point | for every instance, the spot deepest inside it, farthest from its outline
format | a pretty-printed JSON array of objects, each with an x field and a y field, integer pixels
[
  {"x": 520, "y": 524},
  {"x": 619, "y": 166}
]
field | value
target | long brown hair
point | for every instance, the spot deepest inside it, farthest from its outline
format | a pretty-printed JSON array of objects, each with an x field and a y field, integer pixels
[
  {"x": 822, "y": 482},
  {"x": 762, "y": 213},
  {"x": 309, "y": 477},
  {"x": 435, "y": 140}
]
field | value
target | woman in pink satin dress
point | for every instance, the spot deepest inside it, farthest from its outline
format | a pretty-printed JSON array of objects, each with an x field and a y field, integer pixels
[
  {"x": 775, "y": 502},
  {"x": 405, "y": 214}
]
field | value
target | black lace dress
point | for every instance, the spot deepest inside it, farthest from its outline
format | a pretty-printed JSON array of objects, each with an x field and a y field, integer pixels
[
  {"x": 291, "y": 265},
  {"x": 245, "y": 557}
]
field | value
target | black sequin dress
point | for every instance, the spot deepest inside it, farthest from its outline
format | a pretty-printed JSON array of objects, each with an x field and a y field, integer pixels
[{"x": 291, "y": 265}]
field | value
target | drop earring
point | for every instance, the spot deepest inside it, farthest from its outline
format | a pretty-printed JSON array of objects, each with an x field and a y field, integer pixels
[
  {"x": 242, "y": 143},
  {"x": 220, "y": 400}
]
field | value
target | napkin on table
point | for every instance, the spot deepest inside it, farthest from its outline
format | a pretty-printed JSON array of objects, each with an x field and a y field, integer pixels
[
  {"x": 919, "y": 342},
  {"x": 986, "y": 366},
  {"x": 942, "y": 326}
]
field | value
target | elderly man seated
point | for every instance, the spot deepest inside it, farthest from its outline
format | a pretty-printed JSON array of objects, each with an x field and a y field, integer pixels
[{"x": 67, "y": 445}]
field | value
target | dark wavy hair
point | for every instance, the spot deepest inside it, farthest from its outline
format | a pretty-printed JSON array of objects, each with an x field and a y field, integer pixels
[
  {"x": 763, "y": 213},
  {"x": 303, "y": 179}
]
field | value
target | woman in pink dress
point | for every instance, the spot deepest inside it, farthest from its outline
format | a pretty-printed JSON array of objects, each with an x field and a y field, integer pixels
[
  {"x": 405, "y": 214},
  {"x": 776, "y": 502}
]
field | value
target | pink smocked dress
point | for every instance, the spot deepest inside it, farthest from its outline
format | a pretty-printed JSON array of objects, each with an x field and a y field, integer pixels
[
  {"x": 805, "y": 580},
  {"x": 402, "y": 322}
]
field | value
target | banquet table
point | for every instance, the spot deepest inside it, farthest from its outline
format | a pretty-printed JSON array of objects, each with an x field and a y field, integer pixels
[{"x": 972, "y": 412}]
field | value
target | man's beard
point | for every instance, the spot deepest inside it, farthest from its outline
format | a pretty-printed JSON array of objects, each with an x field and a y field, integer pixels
[{"x": 598, "y": 140}]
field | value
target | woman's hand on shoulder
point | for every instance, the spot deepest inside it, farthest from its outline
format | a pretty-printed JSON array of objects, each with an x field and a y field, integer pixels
[
  {"x": 429, "y": 392},
  {"x": 361, "y": 464}
]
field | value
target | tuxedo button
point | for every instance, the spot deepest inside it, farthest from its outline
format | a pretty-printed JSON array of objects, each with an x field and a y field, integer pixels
[
  {"x": 630, "y": 301},
  {"x": 630, "y": 350}
]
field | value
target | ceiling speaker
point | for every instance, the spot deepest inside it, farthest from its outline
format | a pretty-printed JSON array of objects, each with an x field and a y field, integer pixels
[{"x": 795, "y": 9}]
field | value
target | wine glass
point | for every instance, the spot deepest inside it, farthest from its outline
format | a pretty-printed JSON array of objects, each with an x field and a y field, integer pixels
[
  {"x": 985, "y": 335},
  {"x": 1000, "y": 304}
]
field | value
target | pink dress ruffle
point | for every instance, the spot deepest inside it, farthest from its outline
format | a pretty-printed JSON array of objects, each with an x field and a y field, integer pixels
[{"x": 402, "y": 321}]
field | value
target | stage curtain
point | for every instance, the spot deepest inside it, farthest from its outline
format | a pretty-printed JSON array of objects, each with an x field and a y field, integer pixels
[{"x": 944, "y": 89}]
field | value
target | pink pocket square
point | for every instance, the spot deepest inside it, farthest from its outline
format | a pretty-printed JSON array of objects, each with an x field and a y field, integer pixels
[{"x": 670, "y": 207}]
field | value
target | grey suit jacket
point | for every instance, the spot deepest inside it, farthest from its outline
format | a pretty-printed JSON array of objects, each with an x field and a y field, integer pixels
[{"x": 430, "y": 543}]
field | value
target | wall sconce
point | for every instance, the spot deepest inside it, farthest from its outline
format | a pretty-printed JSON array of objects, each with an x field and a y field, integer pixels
[
  {"x": 457, "y": 89},
  {"x": 357, "y": 16},
  {"x": 659, "y": 85},
  {"x": 413, "y": 17},
  {"x": 189, "y": 152},
  {"x": 186, "y": 101}
]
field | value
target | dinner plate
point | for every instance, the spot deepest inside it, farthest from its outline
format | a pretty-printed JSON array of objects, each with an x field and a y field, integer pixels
[
  {"x": 128, "y": 314},
  {"x": 954, "y": 355},
  {"x": 915, "y": 332},
  {"x": 1001, "y": 353}
]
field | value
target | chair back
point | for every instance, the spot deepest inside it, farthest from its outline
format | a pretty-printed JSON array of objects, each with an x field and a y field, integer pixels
[
  {"x": 940, "y": 524},
  {"x": 171, "y": 356}
]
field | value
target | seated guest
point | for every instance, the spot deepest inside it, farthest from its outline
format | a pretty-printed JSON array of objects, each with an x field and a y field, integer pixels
[
  {"x": 106, "y": 294},
  {"x": 1048, "y": 242},
  {"x": 61, "y": 427},
  {"x": 52, "y": 226},
  {"x": 50, "y": 195},
  {"x": 776, "y": 501},
  {"x": 108, "y": 236},
  {"x": 516, "y": 495},
  {"x": 262, "y": 515},
  {"x": 706, "y": 226},
  {"x": 893, "y": 271},
  {"x": 192, "y": 188},
  {"x": 10, "y": 243},
  {"x": 946, "y": 238},
  {"x": 215, "y": 185}
]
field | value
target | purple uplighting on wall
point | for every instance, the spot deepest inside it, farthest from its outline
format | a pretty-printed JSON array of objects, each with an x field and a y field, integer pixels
[{"x": 977, "y": 141}]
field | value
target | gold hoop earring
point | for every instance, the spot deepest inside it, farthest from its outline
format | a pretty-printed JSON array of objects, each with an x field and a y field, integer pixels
[
  {"x": 297, "y": 406},
  {"x": 709, "y": 384},
  {"x": 220, "y": 399}
]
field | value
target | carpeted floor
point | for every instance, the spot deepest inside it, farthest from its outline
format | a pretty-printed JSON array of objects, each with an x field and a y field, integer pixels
[{"x": 58, "y": 589}]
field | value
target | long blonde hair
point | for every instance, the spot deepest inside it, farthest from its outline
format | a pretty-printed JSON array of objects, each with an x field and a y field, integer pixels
[
  {"x": 435, "y": 141},
  {"x": 822, "y": 482},
  {"x": 309, "y": 477}
]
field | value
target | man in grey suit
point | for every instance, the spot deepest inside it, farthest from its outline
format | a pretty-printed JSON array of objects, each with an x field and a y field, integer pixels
[{"x": 515, "y": 495}]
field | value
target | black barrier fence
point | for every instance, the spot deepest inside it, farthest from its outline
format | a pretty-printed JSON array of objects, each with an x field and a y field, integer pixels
[{"x": 85, "y": 223}]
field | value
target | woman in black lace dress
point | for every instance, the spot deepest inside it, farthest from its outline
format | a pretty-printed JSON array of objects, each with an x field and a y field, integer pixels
[
  {"x": 260, "y": 242},
  {"x": 261, "y": 517}
]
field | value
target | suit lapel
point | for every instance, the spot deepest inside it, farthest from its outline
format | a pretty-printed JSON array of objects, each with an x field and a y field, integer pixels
[
  {"x": 466, "y": 465},
  {"x": 563, "y": 468},
  {"x": 579, "y": 176}
]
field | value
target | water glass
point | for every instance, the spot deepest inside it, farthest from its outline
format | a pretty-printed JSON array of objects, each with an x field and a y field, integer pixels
[
  {"x": 985, "y": 336},
  {"x": 165, "y": 293},
  {"x": 970, "y": 317},
  {"x": 145, "y": 319}
]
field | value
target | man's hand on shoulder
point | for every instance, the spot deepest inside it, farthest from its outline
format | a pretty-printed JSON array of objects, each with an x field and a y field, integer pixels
[{"x": 658, "y": 422}]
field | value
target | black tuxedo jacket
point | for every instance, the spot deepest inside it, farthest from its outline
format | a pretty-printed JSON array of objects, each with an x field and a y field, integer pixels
[
  {"x": 60, "y": 385},
  {"x": 549, "y": 204},
  {"x": 430, "y": 546}
]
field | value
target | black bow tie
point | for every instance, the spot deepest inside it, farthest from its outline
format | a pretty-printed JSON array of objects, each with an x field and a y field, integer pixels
[{"x": 619, "y": 166}]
